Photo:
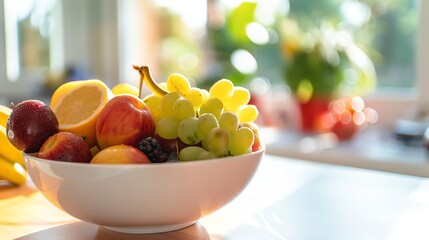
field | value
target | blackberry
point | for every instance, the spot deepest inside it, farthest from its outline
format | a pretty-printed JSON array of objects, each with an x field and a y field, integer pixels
[{"x": 151, "y": 147}]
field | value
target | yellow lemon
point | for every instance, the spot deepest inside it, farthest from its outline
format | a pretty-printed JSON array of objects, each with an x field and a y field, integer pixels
[
  {"x": 125, "y": 88},
  {"x": 78, "y": 104}
]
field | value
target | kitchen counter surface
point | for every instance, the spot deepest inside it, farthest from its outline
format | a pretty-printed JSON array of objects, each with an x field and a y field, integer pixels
[
  {"x": 370, "y": 149},
  {"x": 287, "y": 199}
]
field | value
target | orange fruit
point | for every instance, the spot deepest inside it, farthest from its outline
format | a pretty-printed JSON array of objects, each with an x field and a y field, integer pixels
[
  {"x": 78, "y": 104},
  {"x": 125, "y": 88}
]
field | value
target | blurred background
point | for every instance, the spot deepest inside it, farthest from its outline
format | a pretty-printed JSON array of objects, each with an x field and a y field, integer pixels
[{"x": 286, "y": 52}]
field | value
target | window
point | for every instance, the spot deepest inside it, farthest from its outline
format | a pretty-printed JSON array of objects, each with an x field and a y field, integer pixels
[
  {"x": 25, "y": 45},
  {"x": 27, "y": 26},
  {"x": 387, "y": 29},
  {"x": 46, "y": 42},
  {"x": 394, "y": 33},
  {"x": 103, "y": 38}
]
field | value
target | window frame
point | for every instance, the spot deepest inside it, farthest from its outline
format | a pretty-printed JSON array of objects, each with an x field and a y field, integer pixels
[{"x": 423, "y": 51}]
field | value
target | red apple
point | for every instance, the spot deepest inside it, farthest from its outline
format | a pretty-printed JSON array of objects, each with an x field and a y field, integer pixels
[
  {"x": 125, "y": 119},
  {"x": 66, "y": 147},
  {"x": 30, "y": 124},
  {"x": 120, "y": 154}
]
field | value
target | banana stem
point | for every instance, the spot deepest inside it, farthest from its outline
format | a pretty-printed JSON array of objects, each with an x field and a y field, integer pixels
[
  {"x": 140, "y": 70},
  {"x": 145, "y": 76}
]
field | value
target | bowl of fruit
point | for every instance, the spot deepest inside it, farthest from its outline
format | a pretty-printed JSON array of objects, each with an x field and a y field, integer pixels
[{"x": 139, "y": 164}]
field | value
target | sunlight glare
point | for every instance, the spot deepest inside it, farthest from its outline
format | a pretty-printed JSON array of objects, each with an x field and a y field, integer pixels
[
  {"x": 357, "y": 103},
  {"x": 188, "y": 61},
  {"x": 244, "y": 61},
  {"x": 259, "y": 86},
  {"x": 257, "y": 33},
  {"x": 354, "y": 12},
  {"x": 359, "y": 118},
  {"x": 371, "y": 115}
]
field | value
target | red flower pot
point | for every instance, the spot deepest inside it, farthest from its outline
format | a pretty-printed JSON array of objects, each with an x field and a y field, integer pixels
[{"x": 311, "y": 113}]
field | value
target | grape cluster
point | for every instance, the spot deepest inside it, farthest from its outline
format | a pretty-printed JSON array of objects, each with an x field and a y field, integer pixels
[{"x": 211, "y": 123}]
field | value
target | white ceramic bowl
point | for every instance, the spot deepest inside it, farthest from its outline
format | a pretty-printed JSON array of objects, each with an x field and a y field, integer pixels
[{"x": 146, "y": 198}]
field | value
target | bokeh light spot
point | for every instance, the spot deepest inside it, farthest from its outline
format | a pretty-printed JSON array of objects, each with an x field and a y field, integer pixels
[
  {"x": 359, "y": 118},
  {"x": 257, "y": 33},
  {"x": 244, "y": 61},
  {"x": 357, "y": 103}
]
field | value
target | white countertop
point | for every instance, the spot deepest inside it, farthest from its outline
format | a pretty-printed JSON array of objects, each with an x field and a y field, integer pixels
[
  {"x": 370, "y": 149},
  {"x": 286, "y": 199},
  {"x": 302, "y": 200}
]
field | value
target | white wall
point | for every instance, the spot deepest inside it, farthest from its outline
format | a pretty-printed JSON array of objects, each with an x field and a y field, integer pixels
[{"x": 91, "y": 38}]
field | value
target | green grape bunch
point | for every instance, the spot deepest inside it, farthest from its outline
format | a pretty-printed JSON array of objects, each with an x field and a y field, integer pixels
[{"x": 211, "y": 124}]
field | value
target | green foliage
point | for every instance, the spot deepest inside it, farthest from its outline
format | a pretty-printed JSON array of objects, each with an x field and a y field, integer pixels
[
  {"x": 310, "y": 66},
  {"x": 230, "y": 37},
  {"x": 325, "y": 63},
  {"x": 237, "y": 21},
  {"x": 390, "y": 24}
]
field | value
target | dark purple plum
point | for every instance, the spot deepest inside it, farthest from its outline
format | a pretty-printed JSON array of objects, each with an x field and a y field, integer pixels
[{"x": 30, "y": 124}]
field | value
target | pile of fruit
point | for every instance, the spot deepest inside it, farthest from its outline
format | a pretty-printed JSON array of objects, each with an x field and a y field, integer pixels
[{"x": 88, "y": 122}]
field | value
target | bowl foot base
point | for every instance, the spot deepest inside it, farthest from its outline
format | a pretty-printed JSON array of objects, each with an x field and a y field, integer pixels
[{"x": 150, "y": 229}]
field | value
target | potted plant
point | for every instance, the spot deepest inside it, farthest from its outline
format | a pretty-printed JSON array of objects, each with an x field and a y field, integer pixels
[{"x": 322, "y": 65}]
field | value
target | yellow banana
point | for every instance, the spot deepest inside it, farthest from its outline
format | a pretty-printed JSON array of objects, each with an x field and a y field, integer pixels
[
  {"x": 4, "y": 115},
  {"x": 12, "y": 171},
  {"x": 12, "y": 166},
  {"x": 146, "y": 77},
  {"x": 8, "y": 151}
]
